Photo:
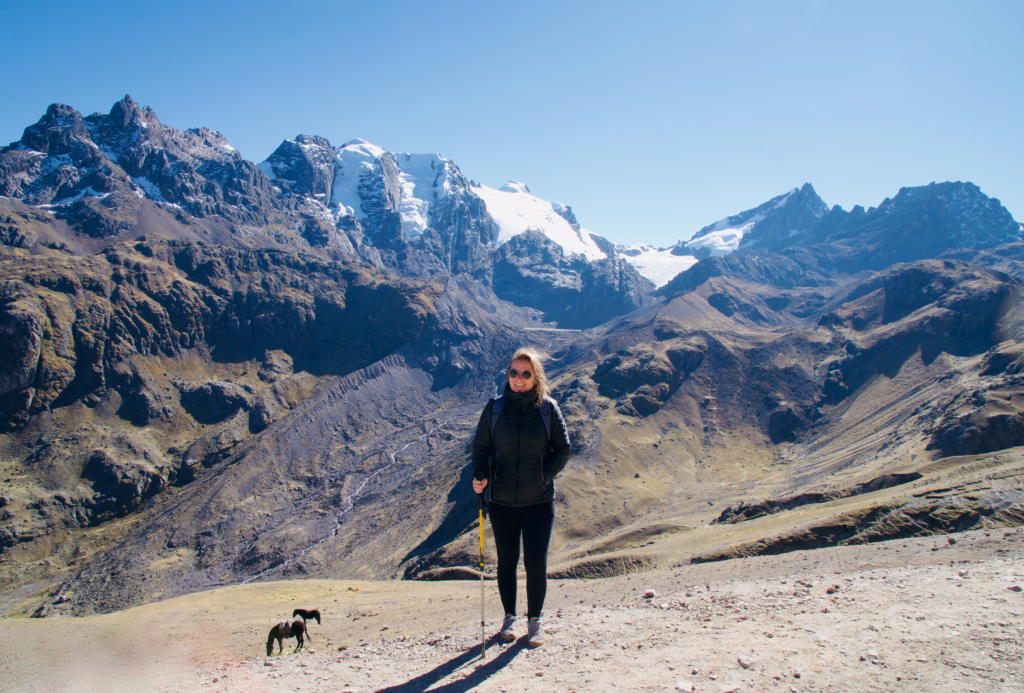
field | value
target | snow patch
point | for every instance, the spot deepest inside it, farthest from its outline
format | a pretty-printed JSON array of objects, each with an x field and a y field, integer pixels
[
  {"x": 424, "y": 179},
  {"x": 723, "y": 240},
  {"x": 147, "y": 186},
  {"x": 515, "y": 187},
  {"x": 660, "y": 266},
  {"x": 782, "y": 203},
  {"x": 351, "y": 160},
  {"x": 516, "y": 211},
  {"x": 76, "y": 197}
]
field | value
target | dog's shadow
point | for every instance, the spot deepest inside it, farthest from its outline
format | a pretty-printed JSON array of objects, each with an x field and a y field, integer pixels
[{"x": 479, "y": 675}]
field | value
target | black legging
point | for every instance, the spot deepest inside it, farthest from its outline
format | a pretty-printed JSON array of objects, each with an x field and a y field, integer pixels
[{"x": 533, "y": 523}]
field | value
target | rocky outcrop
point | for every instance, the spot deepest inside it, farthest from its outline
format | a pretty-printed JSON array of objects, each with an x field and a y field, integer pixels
[
  {"x": 305, "y": 164},
  {"x": 532, "y": 270},
  {"x": 745, "y": 512},
  {"x": 96, "y": 169},
  {"x": 611, "y": 287},
  {"x": 380, "y": 193},
  {"x": 461, "y": 234},
  {"x": 642, "y": 379},
  {"x": 77, "y": 323},
  {"x": 119, "y": 485},
  {"x": 929, "y": 307}
]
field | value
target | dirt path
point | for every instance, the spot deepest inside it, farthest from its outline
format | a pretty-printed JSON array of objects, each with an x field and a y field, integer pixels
[{"x": 904, "y": 617}]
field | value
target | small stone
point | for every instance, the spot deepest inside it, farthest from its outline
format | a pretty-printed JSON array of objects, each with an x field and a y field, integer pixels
[
  {"x": 385, "y": 627},
  {"x": 267, "y": 663},
  {"x": 215, "y": 680},
  {"x": 539, "y": 673},
  {"x": 745, "y": 662},
  {"x": 1014, "y": 588},
  {"x": 963, "y": 573},
  {"x": 687, "y": 687},
  {"x": 650, "y": 594},
  {"x": 951, "y": 540},
  {"x": 694, "y": 672},
  {"x": 713, "y": 677}
]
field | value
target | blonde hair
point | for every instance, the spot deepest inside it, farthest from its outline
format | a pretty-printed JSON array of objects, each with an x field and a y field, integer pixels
[{"x": 541, "y": 387}]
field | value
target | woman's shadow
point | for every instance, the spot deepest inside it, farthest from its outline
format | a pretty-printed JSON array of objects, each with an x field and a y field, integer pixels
[{"x": 479, "y": 675}]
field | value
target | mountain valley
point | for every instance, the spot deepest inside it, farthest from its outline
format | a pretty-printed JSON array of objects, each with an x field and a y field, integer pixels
[{"x": 216, "y": 373}]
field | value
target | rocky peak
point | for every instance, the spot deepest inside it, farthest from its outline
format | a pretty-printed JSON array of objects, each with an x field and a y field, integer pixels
[
  {"x": 788, "y": 222},
  {"x": 725, "y": 235},
  {"x": 918, "y": 223},
  {"x": 126, "y": 114},
  {"x": 306, "y": 164},
  {"x": 57, "y": 131}
]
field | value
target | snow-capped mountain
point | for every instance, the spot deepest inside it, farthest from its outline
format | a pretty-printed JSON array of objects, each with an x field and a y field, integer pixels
[
  {"x": 423, "y": 216},
  {"x": 723, "y": 237},
  {"x": 109, "y": 176},
  {"x": 515, "y": 210},
  {"x": 385, "y": 191}
]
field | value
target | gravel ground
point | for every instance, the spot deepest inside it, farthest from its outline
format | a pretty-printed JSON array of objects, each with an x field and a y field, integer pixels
[{"x": 908, "y": 615}]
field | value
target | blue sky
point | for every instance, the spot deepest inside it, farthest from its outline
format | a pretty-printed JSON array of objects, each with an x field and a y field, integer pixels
[{"x": 651, "y": 119}]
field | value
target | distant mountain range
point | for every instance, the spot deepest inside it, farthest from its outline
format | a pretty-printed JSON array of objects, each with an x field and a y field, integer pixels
[
  {"x": 216, "y": 371},
  {"x": 413, "y": 213}
]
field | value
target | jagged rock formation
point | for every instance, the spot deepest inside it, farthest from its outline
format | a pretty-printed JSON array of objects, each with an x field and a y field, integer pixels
[
  {"x": 124, "y": 174},
  {"x": 794, "y": 240}
]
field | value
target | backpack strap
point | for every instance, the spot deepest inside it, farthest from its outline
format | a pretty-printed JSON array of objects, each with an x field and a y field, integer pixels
[
  {"x": 495, "y": 410},
  {"x": 545, "y": 413}
]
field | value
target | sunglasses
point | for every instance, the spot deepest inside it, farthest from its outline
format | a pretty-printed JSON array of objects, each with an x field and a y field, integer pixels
[{"x": 513, "y": 374}]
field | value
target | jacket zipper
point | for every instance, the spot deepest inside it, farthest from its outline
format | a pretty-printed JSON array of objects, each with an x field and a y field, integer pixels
[{"x": 519, "y": 446}]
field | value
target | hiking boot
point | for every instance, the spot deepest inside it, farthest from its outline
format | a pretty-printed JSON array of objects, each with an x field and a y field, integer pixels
[
  {"x": 508, "y": 628},
  {"x": 536, "y": 632}
]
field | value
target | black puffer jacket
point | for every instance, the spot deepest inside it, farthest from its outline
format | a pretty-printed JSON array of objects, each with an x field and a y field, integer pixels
[{"x": 525, "y": 462}]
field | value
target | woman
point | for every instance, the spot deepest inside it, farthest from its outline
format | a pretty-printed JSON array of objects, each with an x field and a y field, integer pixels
[{"x": 519, "y": 459}]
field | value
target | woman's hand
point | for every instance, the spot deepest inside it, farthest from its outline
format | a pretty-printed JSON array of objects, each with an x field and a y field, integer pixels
[{"x": 479, "y": 485}]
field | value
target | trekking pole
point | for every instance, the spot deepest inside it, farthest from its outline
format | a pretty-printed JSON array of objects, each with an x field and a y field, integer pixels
[{"x": 483, "y": 645}]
